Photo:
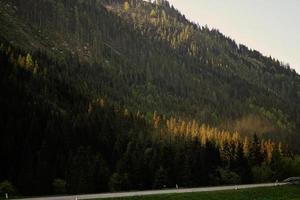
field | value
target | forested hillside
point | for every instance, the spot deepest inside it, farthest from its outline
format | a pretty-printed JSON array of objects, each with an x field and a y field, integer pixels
[{"x": 102, "y": 95}]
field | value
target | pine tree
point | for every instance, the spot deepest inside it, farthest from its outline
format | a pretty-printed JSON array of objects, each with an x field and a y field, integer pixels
[
  {"x": 153, "y": 14},
  {"x": 256, "y": 156},
  {"x": 160, "y": 180},
  {"x": 126, "y": 6},
  {"x": 29, "y": 62}
]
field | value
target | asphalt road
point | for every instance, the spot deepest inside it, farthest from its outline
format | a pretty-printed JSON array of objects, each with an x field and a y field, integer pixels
[{"x": 155, "y": 192}]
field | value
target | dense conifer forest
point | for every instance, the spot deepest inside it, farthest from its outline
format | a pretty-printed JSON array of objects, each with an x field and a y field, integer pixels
[{"x": 113, "y": 95}]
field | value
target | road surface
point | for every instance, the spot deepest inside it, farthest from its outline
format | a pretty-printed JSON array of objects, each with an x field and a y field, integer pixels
[{"x": 155, "y": 192}]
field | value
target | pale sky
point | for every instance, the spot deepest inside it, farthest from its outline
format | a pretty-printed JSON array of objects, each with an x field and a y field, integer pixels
[{"x": 269, "y": 26}]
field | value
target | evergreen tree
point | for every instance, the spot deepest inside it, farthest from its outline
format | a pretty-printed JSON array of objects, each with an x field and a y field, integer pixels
[
  {"x": 126, "y": 6},
  {"x": 160, "y": 180},
  {"x": 256, "y": 156}
]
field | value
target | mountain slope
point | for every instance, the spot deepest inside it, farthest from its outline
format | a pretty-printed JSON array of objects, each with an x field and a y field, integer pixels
[
  {"x": 163, "y": 62},
  {"x": 211, "y": 48},
  {"x": 119, "y": 89}
]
